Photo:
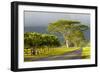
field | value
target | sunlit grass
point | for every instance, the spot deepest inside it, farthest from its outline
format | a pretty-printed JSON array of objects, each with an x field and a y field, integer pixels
[
  {"x": 47, "y": 52},
  {"x": 86, "y": 52}
]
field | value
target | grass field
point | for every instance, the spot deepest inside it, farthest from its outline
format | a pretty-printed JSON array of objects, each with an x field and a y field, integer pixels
[
  {"x": 86, "y": 52},
  {"x": 43, "y": 53}
]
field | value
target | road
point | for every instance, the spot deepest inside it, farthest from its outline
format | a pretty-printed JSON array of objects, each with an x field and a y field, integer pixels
[{"x": 77, "y": 54}]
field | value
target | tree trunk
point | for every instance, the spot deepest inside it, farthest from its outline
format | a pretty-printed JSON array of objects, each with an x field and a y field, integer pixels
[
  {"x": 66, "y": 41},
  {"x": 67, "y": 45}
]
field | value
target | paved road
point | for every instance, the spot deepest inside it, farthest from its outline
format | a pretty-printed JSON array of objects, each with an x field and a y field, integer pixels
[{"x": 71, "y": 55}]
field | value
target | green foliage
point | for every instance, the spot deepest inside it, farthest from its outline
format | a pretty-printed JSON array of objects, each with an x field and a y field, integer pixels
[
  {"x": 72, "y": 31},
  {"x": 76, "y": 37},
  {"x": 61, "y": 26},
  {"x": 50, "y": 40},
  {"x": 33, "y": 39}
]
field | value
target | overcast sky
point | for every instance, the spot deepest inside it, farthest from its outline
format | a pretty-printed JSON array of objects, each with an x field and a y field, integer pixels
[{"x": 32, "y": 18}]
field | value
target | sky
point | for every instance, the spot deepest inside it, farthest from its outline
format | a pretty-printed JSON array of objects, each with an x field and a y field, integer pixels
[
  {"x": 33, "y": 18},
  {"x": 39, "y": 21}
]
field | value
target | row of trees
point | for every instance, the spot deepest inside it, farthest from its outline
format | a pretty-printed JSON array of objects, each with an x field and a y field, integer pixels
[
  {"x": 36, "y": 41},
  {"x": 72, "y": 31},
  {"x": 33, "y": 39}
]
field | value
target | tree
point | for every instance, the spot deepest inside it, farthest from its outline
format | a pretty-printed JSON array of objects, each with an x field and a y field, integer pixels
[
  {"x": 35, "y": 40},
  {"x": 68, "y": 29}
]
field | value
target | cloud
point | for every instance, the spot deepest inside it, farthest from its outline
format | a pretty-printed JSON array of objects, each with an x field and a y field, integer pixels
[{"x": 44, "y": 18}]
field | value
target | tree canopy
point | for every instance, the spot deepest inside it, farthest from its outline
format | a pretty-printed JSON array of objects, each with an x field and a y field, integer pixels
[
  {"x": 33, "y": 39},
  {"x": 71, "y": 30}
]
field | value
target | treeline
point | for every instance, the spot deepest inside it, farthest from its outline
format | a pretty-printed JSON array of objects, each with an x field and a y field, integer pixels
[{"x": 33, "y": 40}]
